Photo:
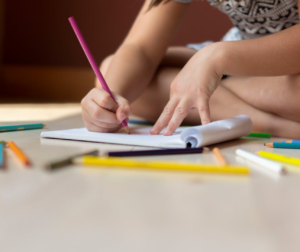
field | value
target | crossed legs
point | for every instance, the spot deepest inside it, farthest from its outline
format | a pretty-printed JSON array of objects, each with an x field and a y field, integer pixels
[{"x": 273, "y": 103}]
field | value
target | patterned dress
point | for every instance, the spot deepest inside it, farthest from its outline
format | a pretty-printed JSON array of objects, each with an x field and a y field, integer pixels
[{"x": 255, "y": 18}]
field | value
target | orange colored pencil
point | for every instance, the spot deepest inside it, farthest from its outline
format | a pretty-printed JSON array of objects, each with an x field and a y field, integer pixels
[
  {"x": 220, "y": 158},
  {"x": 19, "y": 153}
]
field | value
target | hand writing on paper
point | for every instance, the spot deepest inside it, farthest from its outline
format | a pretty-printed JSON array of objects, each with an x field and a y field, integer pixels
[
  {"x": 192, "y": 88},
  {"x": 101, "y": 114}
]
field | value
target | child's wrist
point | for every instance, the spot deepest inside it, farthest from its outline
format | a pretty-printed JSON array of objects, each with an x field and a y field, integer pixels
[{"x": 218, "y": 55}]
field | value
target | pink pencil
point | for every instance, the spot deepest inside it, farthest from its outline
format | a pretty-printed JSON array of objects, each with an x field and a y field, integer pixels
[{"x": 94, "y": 64}]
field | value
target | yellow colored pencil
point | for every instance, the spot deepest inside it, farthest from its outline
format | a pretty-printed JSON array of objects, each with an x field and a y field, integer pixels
[
  {"x": 280, "y": 158},
  {"x": 185, "y": 167},
  {"x": 220, "y": 158},
  {"x": 23, "y": 158}
]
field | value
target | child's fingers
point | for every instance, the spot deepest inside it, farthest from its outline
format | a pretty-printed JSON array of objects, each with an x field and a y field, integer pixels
[
  {"x": 95, "y": 128},
  {"x": 93, "y": 125},
  {"x": 98, "y": 113},
  {"x": 103, "y": 99},
  {"x": 203, "y": 108},
  {"x": 179, "y": 114},
  {"x": 165, "y": 117}
]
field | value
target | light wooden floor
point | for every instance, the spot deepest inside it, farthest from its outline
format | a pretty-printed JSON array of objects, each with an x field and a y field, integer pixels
[{"x": 85, "y": 209}]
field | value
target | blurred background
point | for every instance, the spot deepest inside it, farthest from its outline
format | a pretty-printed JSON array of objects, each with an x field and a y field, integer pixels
[{"x": 41, "y": 60}]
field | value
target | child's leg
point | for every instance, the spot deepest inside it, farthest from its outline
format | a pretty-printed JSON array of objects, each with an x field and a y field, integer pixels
[
  {"x": 229, "y": 99},
  {"x": 279, "y": 95},
  {"x": 223, "y": 104}
]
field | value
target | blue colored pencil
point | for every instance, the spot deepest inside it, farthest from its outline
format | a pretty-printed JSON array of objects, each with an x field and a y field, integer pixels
[
  {"x": 284, "y": 145},
  {"x": 1, "y": 155},
  {"x": 21, "y": 127}
]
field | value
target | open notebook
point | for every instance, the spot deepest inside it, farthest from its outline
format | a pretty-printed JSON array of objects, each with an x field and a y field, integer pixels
[{"x": 184, "y": 137}]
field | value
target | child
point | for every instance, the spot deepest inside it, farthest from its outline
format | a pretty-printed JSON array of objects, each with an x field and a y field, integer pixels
[{"x": 176, "y": 84}]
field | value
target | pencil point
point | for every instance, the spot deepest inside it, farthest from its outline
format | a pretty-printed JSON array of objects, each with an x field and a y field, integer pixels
[{"x": 127, "y": 130}]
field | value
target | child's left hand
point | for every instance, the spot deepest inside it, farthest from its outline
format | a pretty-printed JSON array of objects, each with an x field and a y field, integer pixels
[{"x": 192, "y": 88}]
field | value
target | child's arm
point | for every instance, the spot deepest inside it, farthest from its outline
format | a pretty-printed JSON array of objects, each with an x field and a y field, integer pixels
[
  {"x": 133, "y": 66},
  {"x": 137, "y": 59},
  {"x": 273, "y": 55}
]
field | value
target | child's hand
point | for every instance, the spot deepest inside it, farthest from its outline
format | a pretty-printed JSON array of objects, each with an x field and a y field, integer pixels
[
  {"x": 101, "y": 114},
  {"x": 192, "y": 88}
]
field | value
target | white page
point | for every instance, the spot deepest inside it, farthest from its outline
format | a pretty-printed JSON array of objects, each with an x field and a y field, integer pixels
[
  {"x": 212, "y": 133},
  {"x": 139, "y": 135}
]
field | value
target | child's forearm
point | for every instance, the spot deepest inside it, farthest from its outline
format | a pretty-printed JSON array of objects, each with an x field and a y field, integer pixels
[
  {"x": 273, "y": 55},
  {"x": 130, "y": 72}
]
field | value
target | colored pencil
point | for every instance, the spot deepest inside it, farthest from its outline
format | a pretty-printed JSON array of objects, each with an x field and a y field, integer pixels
[
  {"x": 139, "y": 122},
  {"x": 21, "y": 156},
  {"x": 141, "y": 153},
  {"x": 1, "y": 155},
  {"x": 270, "y": 165},
  {"x": 69, "y": 160},
  {"x": 292, "y": 141},
  {"x": 259, "y": 135},
  {"x": 283, "y": 145},
  {"x": 220, "y": 158},
  {"x": 280, "y": 158},
  {"x": 94, "y": 64},
  {"x": 3, "y": 142},
  {"x": 157, "y": 165},
  {"x": 22, "y": 127}
]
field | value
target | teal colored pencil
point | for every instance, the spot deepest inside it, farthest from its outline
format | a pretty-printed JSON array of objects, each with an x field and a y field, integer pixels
[
  {"x": 284, "y": 145},
  {"x": 22, "y": 127},
  {"x": 139, "y": 122},
  {"x": 1, "y": 155}
]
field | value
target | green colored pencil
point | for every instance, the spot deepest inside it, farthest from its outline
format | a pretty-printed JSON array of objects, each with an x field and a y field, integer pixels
[
  {"x": 283, "y": 145},
  {"x": 260, "y": 135},
  {"x": 21, "y": 127}
]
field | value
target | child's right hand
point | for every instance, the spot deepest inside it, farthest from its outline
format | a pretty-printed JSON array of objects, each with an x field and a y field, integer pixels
[{"x": 101, "y": 114}]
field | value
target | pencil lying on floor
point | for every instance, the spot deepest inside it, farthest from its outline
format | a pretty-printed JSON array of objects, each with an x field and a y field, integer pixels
[
  {"x": 94, "y": 64},
  {"x": 220, "y": 158},
  {"x": 99, "y": 162},
  {"x": 283, "y": 145},
  {"x": 280, "y": 158},
  {"x": 270, "y": 165},
  {"x": 142, "y": 153},
  {"x": 1, "y": 155},
  {"x": 21, "y": 156},
  {"x": 21, "y": 127}
]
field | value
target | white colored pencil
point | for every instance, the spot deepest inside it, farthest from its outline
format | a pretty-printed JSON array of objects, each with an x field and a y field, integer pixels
[{"x": 270, "y": 165}]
